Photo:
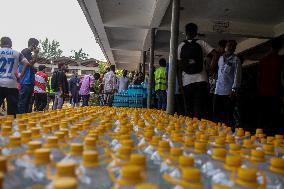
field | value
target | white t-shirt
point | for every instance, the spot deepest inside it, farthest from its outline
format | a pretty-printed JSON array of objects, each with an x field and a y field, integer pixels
[
  {"x": 202, "y": 76},
  {"x": 122, "y": 83},
  {"x": 9, "y": 62},
  {"x": 109, "y": 81}
]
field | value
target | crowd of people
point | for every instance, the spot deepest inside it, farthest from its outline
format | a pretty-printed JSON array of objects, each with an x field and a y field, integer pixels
[{"x": 207, "y": 82}]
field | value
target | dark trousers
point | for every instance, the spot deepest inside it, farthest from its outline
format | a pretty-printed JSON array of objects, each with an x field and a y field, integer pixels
[
  {"x": 269, "y": 113},
  {"x": 179, "y": 104},
  {"x": 210, "y": 106},
  {"x": 40, "y": 101},
  {"x": 11, "y": 96},
  {"x": 85, "y": 100},
  {"x": 162, "y": 99},
  {"x": 195, "y": 95},
  {"x": 223, "y": 108},
  {"x": 25, "y": 96}
]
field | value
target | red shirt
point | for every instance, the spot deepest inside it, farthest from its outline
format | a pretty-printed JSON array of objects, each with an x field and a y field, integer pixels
[
  {"x": 270, "y": 75},
  {"x": 41, "y": 80}
]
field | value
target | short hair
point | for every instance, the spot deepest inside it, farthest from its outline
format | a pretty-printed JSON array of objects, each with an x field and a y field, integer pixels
[
  {"x": 234, "y": 42},
  {"x": 191, "y": 29},
  {"x": 163, "y": 62},
  {"x": 41, "y": 67},
  {"x": 60, "y": 65},
  {"x": 112, "y": 67},
  {"x": 6, "y": 41},
  {"x": 276, "y": 44},
  {"x": 97, "y": 76},
  {"x": 222, "y": 43},
  {"x": 33, "y": 42}
]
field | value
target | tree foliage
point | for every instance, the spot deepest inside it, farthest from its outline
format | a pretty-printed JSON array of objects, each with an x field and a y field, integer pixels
[
  {"x": 50, "y": 49},
  {"x": 103, "y": 66},
  {"x": 79, "y": 55}
]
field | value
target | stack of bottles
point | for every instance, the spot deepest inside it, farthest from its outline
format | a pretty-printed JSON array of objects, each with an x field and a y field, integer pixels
[
  {"x": 127, "y": 148},
  {"x": 121, "y": 99}
]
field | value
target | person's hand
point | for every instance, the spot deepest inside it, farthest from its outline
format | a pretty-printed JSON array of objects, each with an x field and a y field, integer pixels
[
  {"x": 233, "y": 95},
  {"x": 18, "y": 77}
]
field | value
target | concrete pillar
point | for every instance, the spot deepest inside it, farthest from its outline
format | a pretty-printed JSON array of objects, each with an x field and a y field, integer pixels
[
  {"x": 173, "y": 56},
  {"x": 144, "y": 61},
  {"x": 151, "y": 68}
]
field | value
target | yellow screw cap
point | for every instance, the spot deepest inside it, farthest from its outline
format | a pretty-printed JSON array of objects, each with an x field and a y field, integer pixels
[
  {"x": 199, "y": 147},
  {"x": 26, "y": 136},
  {"x": 65, "y": 183},
  {"x": 90, "y": 159},
  {"x": 191, "y": 175},
  {"x": 232, "y": 162},
  {"x": 277, "y": 165},
  {"x": 66, "y": 169},
  {"x": 219, "y": 154},
  {"x": 3, "y": 164},
  {"x": 129, "y": 143},
  {"x": 42, "y": 156},
  {"x": 138, "y": 160},
  {"x": 14, "y": 140},
  {"x": 130, "y": 175},
  {"x": 6, "y": 130},
  {"x": 218, "y": 186},
  {"x": 32, "y": 146},
  {"x": 186, "y": 161},
  {"x": 257, "y": 155},
  {"x": 76, "y": 149},
  {"x": 176, "y": 152},
  {"x": 247, "y": 177},
  {"x": 52, "y": 142},
  {"x": 124, "y": 152},
  {"x": 146, "y": 186}
]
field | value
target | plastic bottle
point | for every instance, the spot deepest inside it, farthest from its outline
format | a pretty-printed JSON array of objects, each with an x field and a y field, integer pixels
[
  {"x": 184, "y": 162},
  {"x": 149, "y": 150},
  {"x": 52, "y": 144},
  {"x": 234, "y": 149},
  {"x": 162, "y": 151},
  {"x": 129, "y": 177},
  {"x": 191, "y": 179},
  {"x": 199, "y": 154},
  {"x": 274, "y": 174},
  {"x": 38, "y": 172},
  {"x": 246, "y": 178},
  {"x": 66, "y": 169},
  {"x": 14, "y": 147},
  {"x": 188, "y": 146},
  {"x": 65, "y": 183},
  {"x": 147, "y": 186},
  {"x": 256, "y": 160},
  {"x": 94, "y": 175},
  {"x": 6, "y": 131},
  {"x": 75, "y": 154},
  {"x": 223, "y": 177}
]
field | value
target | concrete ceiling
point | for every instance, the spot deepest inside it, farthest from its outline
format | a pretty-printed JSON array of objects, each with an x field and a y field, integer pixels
[{"x": 122, "y": 27}]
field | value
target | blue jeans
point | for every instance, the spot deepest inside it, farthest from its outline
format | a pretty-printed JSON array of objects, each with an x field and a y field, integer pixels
[
  {"x": 162, "y": 99},
  {"x": 25, "y": 96},
  {"x": 58, "y": 101}
]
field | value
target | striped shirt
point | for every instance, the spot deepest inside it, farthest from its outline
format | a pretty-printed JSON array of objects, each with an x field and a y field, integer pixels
[{"x": 41, "y": 80}]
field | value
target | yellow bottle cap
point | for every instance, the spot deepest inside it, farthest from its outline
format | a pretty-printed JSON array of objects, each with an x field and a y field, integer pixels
[
  {"x": 76, "y": 149},
  {"x": 26, "y": 136},
  {"x": 60, "y": 135},
  {"x": 257, "y": 155},
  {"x": 35, "y": 133},
  {"x": 230, "y": 139},
  {"x": 189, "y": 142},
  {"x": 199, "y": 147},
  {"x": 22, "y": 126},
  {"x": 130, "y": 175},
  {"x": 155, "y": 140},
  {"x": 186, "y": 161},
  {"x": 219, "y": 154},
  {"x": 47, "y": 129},
  {"x": 42, "y": 156},
  {"x": 65, "y": 183},
  {"x": 14, "y": 140},
  {"x": 268, "y": 149},
  {"x": 74, "y": 130},
  {"x": 129, "y": 143},
  {"x": 138, "y": 160},
  {"x": 176, "y": 152},
  {"x": 248, "y": 144},
  {"x": 32, "y": 146},
  {"x": 277, "y": 165},
  {"x": 51, "y": 142},
  {"x": 279, "y": 137},
  {"x": 219, "y": 142},
  {"x": 232, "y": 163},
  {"x": 146, "y": 186},
  {"x": 90, "y": 159},
  {"x": 218, "y": 186},
  {"x": 3, "y": 164},
  {"x": 247, "y": 177},
  {"x": 66, "y": 169},
  {"x": 191, "y": 175},
  {"x": 124, "y": 152},
  {"x": 6, "y": 130},
  {"x": 90, "y": 143}
]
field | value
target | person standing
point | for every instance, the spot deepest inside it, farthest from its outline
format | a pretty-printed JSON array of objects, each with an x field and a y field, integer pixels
[
  {"x": 59, "y": 85},
  {"x": 109, "y": 85},
  {"x": 85, "y": 89},
  {"x": 41, "y": 80},
  {"x": 192, "y": 75},
  {"x": 161, "y": 84},
  {"x": 9, "y": 62},
  {"x": 50, "y": 94},
  {"x": 270, "y": 68},
  {"x": 123, "y": 81},
  {"x": 74, "y": 86},
  {"x": 27, "y": 83},
  {"x": 227, "y": 85}
]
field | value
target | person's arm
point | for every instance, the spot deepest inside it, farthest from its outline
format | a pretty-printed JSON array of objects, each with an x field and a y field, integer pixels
[
  {"x": 237, "y": 76},
  {"x": 214, "y": 62},
  {"x": 35, "y": 56},
  {"x": 26, "y": 64}
]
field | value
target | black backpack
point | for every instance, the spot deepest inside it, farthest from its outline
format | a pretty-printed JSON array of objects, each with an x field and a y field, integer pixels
[
  {"x": 191, "y": 56},
  {"x": 54, "y": 81}
]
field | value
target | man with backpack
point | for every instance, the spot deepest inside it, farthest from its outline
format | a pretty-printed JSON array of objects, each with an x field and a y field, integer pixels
[
  {"x": 59, "y": 85},
  {"x": 192, "y": 74}
]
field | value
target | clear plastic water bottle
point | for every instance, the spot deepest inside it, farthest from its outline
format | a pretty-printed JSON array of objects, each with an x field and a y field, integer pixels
[
  {"x": 6, "y": 131},
  {"x": 246, "y": 178},
  {"x": 64, "y": 183},
  {"x": 75, "y": 154},
  {"x": 191, "y": 179},
  {"x": 56, "y": 153},
  {"x": 199, "y": 154},
  {"x": 274, "y": 174},
  {"x": 94, "y": 175},
  {"x": 256, "y": 160},
  {"x": 66, "y": 169},
  {"x": 14, "y": 147},
  {"x": 184, "y": 162}
]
